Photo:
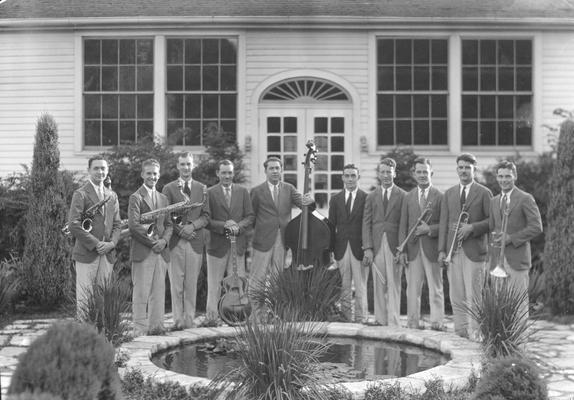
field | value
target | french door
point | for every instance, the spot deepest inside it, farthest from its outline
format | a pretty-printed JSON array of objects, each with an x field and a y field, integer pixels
[{"x": 284, "y": 133}]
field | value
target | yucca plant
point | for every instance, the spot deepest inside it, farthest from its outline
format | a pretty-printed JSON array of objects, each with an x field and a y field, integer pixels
[
  {"x": 105, "y": 306},
  {"x": 502, "y": 318},
  {"x": 279, "y": 361},
  {"x": 315, "y": 293}
]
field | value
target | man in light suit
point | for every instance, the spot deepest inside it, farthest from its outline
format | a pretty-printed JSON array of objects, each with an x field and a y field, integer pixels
[
  {"x": 231, "y": 210},
  {"x": 346, "y": 214},
  {"x": 524, "y": 224},
  {"x": 380, "y": 240},
  {"x": 466, "y": 265},
  {"x": 272, "y": 203},
  {"x": 149, "y": 254},
  {"x": 187, "y": 242},
  {"x": 422, "y": 250},
  {"x": 94, "y": 250}
]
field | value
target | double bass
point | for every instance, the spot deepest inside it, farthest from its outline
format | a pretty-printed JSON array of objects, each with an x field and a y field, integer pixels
[
  {"x": 309, "y": 235},
  {"x": 234, "y": 307}
]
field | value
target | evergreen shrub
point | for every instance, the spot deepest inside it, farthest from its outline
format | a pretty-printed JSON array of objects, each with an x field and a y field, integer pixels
[
  {"x": 70, "y": 360},
  {"x": 47, "y": 256},
  {"x": 559, "y": 248},
  {"x": 511, "y": 379},
  {"x": 8, "y": 283}
]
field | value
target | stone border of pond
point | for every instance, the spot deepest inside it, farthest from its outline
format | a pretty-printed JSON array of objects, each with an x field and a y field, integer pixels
[{"x": 464, "y": 355}]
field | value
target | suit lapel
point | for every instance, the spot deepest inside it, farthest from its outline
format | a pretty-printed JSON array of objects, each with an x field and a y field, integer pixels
[
  {"x": 392, "y": 199},
  {"x": 144, "y": 194},
  {"x": 470, "y": 196}
]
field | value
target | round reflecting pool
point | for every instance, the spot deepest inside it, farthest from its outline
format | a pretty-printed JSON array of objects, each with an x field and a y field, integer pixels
[{"x": 346, "y": 359}]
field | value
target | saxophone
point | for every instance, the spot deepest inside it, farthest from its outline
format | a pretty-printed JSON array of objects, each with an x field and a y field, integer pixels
[
  {"x": 86, "y": 217},
  {"x": 149, "y": 218}
]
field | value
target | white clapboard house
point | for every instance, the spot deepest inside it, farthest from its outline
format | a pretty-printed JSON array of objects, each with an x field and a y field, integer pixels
[{"x": 360, "y": 77}]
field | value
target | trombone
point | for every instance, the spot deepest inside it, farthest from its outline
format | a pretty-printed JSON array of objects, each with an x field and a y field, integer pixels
[
  {"x": 424, "y": 217},
  {"x": 456, "y": 243},
  {"x": 499, "y": 270}
]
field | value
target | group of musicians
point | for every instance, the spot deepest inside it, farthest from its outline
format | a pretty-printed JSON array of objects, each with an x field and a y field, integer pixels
[{"x": 424, "y": 224}]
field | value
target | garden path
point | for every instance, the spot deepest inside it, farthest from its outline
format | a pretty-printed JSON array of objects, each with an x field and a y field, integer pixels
[{"x": 552, "y": 347}]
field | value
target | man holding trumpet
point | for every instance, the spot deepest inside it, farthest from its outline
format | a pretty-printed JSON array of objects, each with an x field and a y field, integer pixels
[
  {"x": 463, "y": 232},
  {"x": 523, "y": 223},
  {"x": 420, "y": 214}
]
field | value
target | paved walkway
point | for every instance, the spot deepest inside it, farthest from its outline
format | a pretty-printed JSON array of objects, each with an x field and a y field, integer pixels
[{"x": 552, "y": 347}]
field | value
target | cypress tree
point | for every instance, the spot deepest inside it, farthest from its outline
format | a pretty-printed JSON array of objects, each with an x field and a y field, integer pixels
[
  {"x": 559, "y": 247},
  {"x": 46, "y": 261}
]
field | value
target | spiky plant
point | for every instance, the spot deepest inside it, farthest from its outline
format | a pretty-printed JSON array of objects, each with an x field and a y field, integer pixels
[
  {"x": 279, "y": 361},
  {"x": 315, "y": 293},
  {"x": 502, "y": 318},
  {"x": 105, "y": 306}
]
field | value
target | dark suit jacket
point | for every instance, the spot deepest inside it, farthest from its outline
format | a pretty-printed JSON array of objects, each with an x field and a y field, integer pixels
[
  {"x": 240, "y": 211},
  {"x": 376, "y": 222},
  {"x": 105, "y": 224},
  {"x": 140, "y": 203},
  {"x": 199, "y": 216},
  {"x": 524, "y": 224},
  {"x": 348, "y": 228},
  {"x": 410, "y": 212},
  {"x": 477, "y": 206},
  {"x": 268, "y": 218}
]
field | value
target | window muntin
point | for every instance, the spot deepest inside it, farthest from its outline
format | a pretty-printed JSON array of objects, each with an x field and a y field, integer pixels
[
  {"x": 201, "y": 88},
  {"x": 117, "y": 91},
  {"x": 497, "y": 92},
  {"x": 412, "y": 91}
]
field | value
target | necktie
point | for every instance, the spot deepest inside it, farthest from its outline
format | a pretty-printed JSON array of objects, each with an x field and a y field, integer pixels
[
  {"x": 463, "y": 197},
  {"x": 276, "y": 195},
  {"x": 422, "y": 199},
  {"x": 100, "y": 193},
  {"x": 503, "y": 205},
  {"x": 186, "y": 189},
  {"x": 348, "y": 202},
  {"x": 385, "y": 201},
  {"x": 228, "y": 197},
  {"x": 153, "y": 200}
]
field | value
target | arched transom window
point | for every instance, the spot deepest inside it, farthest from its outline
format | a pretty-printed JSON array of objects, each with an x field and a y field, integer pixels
[{"x": 305, "y": 89}]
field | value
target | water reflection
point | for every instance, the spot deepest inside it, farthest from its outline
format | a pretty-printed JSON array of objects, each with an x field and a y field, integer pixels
[{"x": 347, "y": 359}]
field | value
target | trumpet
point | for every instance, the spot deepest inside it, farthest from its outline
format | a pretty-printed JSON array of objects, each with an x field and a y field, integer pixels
[
  {"x": 149, "y": 218},
  {"x": 424, "y": 217},
  {"x": 456, "y": 243},
  {"x": 86, "y": 218},
  {"x": 499, "y": 270}
]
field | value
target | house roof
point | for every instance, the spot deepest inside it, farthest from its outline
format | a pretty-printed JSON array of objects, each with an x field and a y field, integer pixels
[{"x": 288, "y": 11}]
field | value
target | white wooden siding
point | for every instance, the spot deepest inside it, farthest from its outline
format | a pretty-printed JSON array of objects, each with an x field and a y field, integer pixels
[{"x": 36, "y": 76}]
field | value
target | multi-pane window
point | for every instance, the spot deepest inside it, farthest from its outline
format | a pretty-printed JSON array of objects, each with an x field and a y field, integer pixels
[
  {"x": 497, "y": 92},
  {"x": 118, "y": 91},
  {"x": 201, "y": 88},
  {"x": 412, "y": 90}
]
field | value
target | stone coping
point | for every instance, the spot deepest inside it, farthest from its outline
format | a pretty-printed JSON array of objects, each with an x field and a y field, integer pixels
[{"x": 464, "y": 355}]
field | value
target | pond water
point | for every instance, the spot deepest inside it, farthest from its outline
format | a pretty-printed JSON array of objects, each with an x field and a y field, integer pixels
[{"x": 348, "y": 359}]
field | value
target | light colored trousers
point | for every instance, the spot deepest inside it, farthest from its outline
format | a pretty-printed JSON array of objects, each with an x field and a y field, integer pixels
[
  {"x": 415, "y": 274},
  {"x": 262, "y": 260},
  {"x": 465, "y": 278},
  {"x": 351, "y": 270},
  {"x": 148, "y": 301},
  {"x": 519, "y": 279},
  {"x": 183, "y": 273},
  {"x": 86, "y": 274},
  {"x": 387, "y": 286},
  {"x": 216, "y": 269}
]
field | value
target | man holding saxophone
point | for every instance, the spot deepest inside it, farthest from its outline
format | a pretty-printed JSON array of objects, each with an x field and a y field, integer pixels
[
  {"x": 511, "y": 250},
  {"x": 96, "y": 236},
  {"x": 463, "y": 232},
  {"x": 149, "y": 252}
]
